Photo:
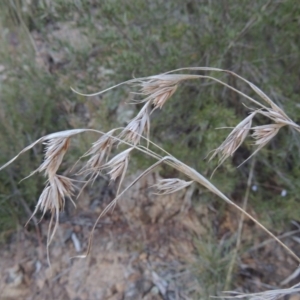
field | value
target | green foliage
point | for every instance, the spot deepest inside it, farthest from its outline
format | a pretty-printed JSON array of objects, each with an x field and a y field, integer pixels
[
  {"x": 212, "y": 265},
  {"x": 29, "y": 110}
]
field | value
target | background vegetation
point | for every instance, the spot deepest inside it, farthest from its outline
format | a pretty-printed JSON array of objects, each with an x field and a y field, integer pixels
[{"x": 47, "y": 46}]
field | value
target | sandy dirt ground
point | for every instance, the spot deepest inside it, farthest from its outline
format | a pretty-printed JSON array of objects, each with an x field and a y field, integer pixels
[{"x": 144, "y": 249}]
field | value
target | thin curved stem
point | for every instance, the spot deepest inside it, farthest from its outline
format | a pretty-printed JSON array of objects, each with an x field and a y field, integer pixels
[{"x": 203, "y": 181}]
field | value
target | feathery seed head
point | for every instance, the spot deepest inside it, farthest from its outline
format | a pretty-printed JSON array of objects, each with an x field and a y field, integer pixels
[
  {"x": 133, "y": 131},
  {"x": 53, "y": 196},
  {"x": 64, "y": 187},
  {"x": 53, "y": 199},
  {"x": 161, "y": 87},
  {"x": 57, "y": 145},
  {"x": 234, "y": 139},
  {"x": 263, "y": 134},
  {"x": 45, "y": 201},
  {"x": 100, "y": 149},
  {"x": 277, "y": 116},
  {"x": 55, "y": 151},
  {"x": 118, "y": 165},
  {"x": 103, "y": 144},
  {"x": 168, "y": 186},
  {"x": 160, "y": 97}
]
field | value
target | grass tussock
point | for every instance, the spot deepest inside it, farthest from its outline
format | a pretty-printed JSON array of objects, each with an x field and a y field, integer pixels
[{"x": 155, "y": 92}]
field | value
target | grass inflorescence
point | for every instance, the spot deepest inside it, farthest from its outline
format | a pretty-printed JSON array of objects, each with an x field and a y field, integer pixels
[{"x": 104, "y": 157}]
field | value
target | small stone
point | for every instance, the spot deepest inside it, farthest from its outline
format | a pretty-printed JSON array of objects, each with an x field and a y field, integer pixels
[
  {"x": 154, "y": 291},
  {"x": 254, "y": 188},
  {"x": 283, "y": 193}
]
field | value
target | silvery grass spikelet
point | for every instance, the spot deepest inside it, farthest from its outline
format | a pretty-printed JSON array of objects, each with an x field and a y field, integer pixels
[
  {"x": 234, "y": 140},
  {"x": 99, "y": 152},
  {"x": 172, "y": 185},
  {"x": 56, "y": 149},
  {"x": 159, "y": 88},
  {"x": 53, "y": 199},
  {"x": 263, "y": 134},
  {"x": 141, "y": 123},
  {"x": 118, "y": 166},
  {"x": 278, "y": 117}
]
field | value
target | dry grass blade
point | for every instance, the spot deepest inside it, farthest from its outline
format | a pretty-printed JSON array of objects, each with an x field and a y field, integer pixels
[
  {"x": 267, "y": 295},
  {"x": 172, "y": 185},
  {"x": 102, "y": 91},
  {"x": 239, "y": 229},
  {"x": 253, "y": 86},
  {"x": 279, "y": 117},
  {"x": 259, "y": 92},
  {"x": 197, "y": 177}
]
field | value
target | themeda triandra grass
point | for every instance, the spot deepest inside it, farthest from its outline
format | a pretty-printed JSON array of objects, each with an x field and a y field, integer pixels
[{"x": 155, "y": 92}]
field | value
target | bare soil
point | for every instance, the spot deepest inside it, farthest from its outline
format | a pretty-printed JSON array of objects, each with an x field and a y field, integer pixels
[{"x": 144, "y": 249}]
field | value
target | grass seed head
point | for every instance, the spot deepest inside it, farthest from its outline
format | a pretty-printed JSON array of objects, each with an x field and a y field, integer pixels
[
  {"x": 99, "y": 152},
  {"x": 263, "y": 134},
  {"x": 168, "y": 186},
  {"x": 161, "y": 97},
  {"x": 53, "y": 197},
  {"x": 160, "y": 88},
  {"x": 234, "y": 139},
  {"x": 55, "y": 151},
  {"x": 118, "y": 165},
  {"x": 141, "y": 123},
  {"x": 64, "y": 187},
  {"x": 45, "y": 201},
  {"x": 57, "y": 145},
  {"x": 277, "y": 116}
]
